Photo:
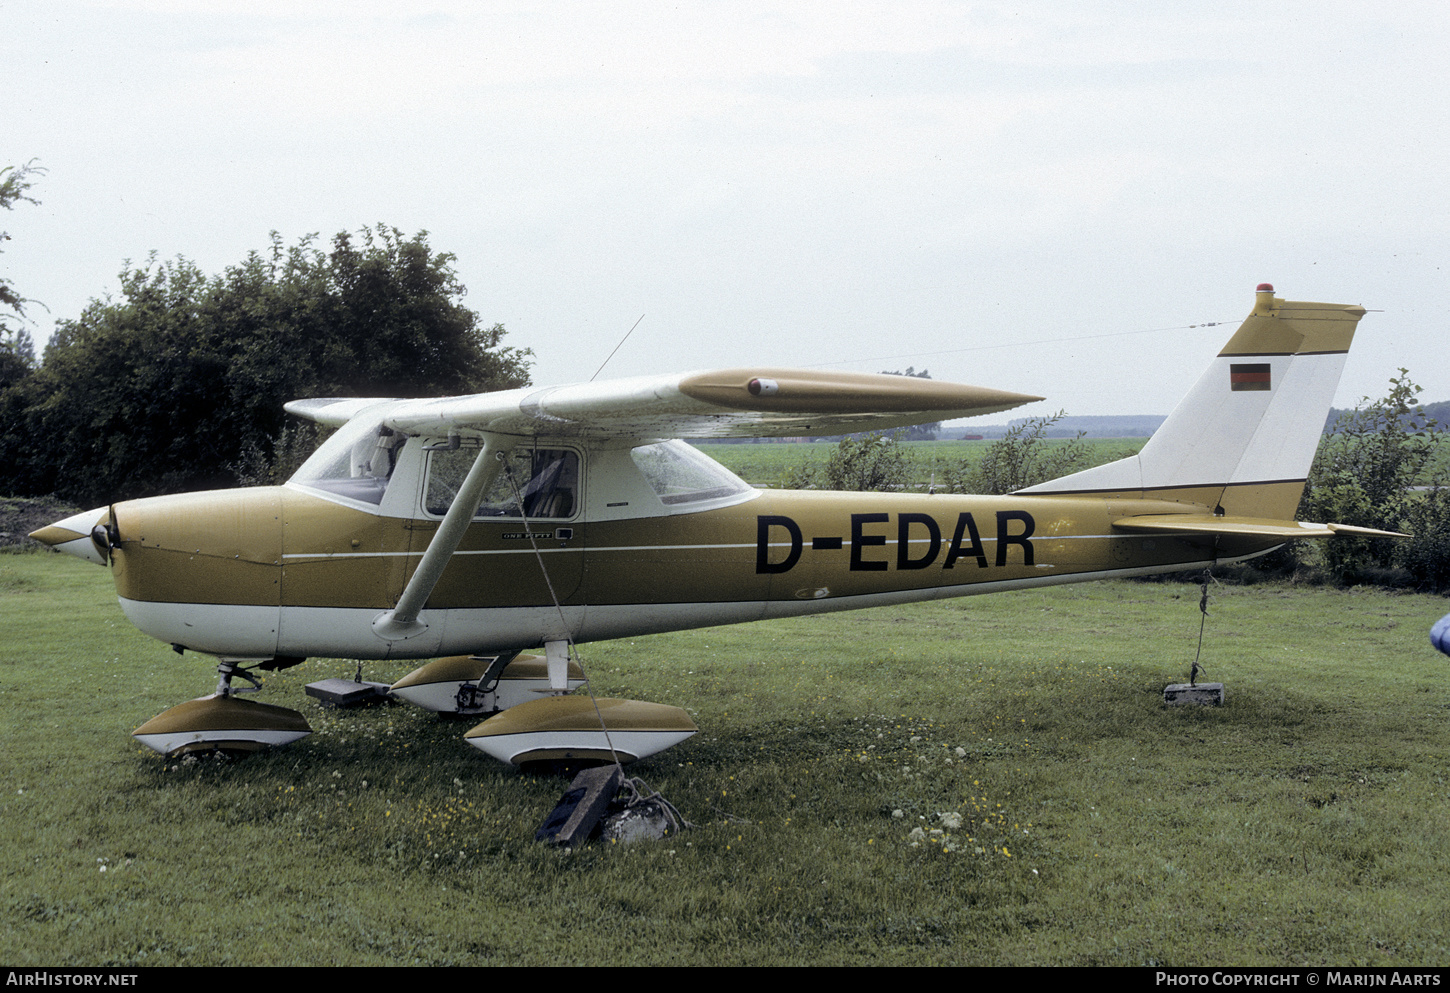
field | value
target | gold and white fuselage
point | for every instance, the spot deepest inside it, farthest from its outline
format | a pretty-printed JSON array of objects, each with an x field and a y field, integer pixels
[
  {"x": 284, "y": 571},
  {"x": 293, "y": 573}
]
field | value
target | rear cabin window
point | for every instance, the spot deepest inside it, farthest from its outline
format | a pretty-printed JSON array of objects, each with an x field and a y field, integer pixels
[
  {"x": 680, "y": 474},
  {"x": 543, "y": 482}
]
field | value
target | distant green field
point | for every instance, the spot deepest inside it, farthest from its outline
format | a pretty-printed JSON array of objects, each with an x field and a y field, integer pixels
[
  {"x": 766, "y": 464},
  {"x": 985, "y": 781}
]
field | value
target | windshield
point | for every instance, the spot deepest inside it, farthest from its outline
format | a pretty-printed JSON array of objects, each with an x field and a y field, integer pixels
[{"x": 356, "y": 462}]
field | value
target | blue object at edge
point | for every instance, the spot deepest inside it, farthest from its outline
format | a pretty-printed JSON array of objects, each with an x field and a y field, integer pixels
[{"x": 1440, "y": 634}]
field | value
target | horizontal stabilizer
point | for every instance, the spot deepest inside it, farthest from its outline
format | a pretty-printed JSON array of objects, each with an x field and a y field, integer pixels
[
  {"x": 1250, "y": 527},
  {"x": 1349, "y": 530}
]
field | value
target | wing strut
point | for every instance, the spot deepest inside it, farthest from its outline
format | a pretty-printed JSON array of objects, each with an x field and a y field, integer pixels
[{"x": 402, "y": 622}]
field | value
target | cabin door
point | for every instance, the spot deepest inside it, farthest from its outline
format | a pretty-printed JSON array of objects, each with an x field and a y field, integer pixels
[{"x": 526, "y": 535}]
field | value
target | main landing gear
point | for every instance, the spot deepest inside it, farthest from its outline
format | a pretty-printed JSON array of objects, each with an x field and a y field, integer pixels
[{"x": 531, "y": 716}]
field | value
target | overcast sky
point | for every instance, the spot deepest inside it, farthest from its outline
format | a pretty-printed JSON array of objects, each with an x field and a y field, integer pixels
[{"x": 1040, "y": 197}]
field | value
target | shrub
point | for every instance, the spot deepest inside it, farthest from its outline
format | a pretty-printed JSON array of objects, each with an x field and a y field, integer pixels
[
  {"x": 867, "y": 462},
  {"x": 1363, "y": 474},
  {"x": 1024, "y": 457},
  {"x": 1426, "y": 556}
]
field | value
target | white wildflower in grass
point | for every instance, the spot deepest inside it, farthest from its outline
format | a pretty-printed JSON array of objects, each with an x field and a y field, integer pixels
[
  {"x": 898, "y": 813},
  {"x": 951, "y": 820}
]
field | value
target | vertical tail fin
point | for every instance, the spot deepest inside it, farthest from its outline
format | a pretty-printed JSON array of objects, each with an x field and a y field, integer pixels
[{"x": 1242, "y": 441}]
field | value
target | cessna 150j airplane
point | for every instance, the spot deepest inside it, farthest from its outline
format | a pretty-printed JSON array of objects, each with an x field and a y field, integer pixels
[{"x": 475, "y": 527}]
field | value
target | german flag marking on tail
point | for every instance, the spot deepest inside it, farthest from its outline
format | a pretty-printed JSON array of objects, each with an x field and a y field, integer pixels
[{"x": 1248, "y": 376}]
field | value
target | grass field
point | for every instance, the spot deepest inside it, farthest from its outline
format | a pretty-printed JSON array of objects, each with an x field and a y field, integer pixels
[{"x": 1077, "y": 820}]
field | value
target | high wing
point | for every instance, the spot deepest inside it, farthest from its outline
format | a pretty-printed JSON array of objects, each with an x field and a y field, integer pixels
[{"x": 725, "y": 403}]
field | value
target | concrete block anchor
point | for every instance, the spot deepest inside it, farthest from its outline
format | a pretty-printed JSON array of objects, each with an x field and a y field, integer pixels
[
  {"x": 580, "y": 809},
  {"x": 1201, "y": 695}
]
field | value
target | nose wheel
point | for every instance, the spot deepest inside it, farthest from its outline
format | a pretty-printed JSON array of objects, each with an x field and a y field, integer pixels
[
  {"x": 228, "y": 670},
  {"x": 223, "y": 722}
]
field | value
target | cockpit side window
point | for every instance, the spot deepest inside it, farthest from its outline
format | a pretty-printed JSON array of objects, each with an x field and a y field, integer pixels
[
  {"x": 544, "y": 480},
  {"x": 357, "y": 462}
]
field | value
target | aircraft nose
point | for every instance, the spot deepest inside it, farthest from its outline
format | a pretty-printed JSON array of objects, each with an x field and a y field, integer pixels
[{"x": 77, "y": 535}]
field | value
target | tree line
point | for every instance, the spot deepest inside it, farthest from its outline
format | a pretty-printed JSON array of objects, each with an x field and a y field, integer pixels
[
  {"x": 17, "y": 351},
  {"x": 178, "y": 382}
]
